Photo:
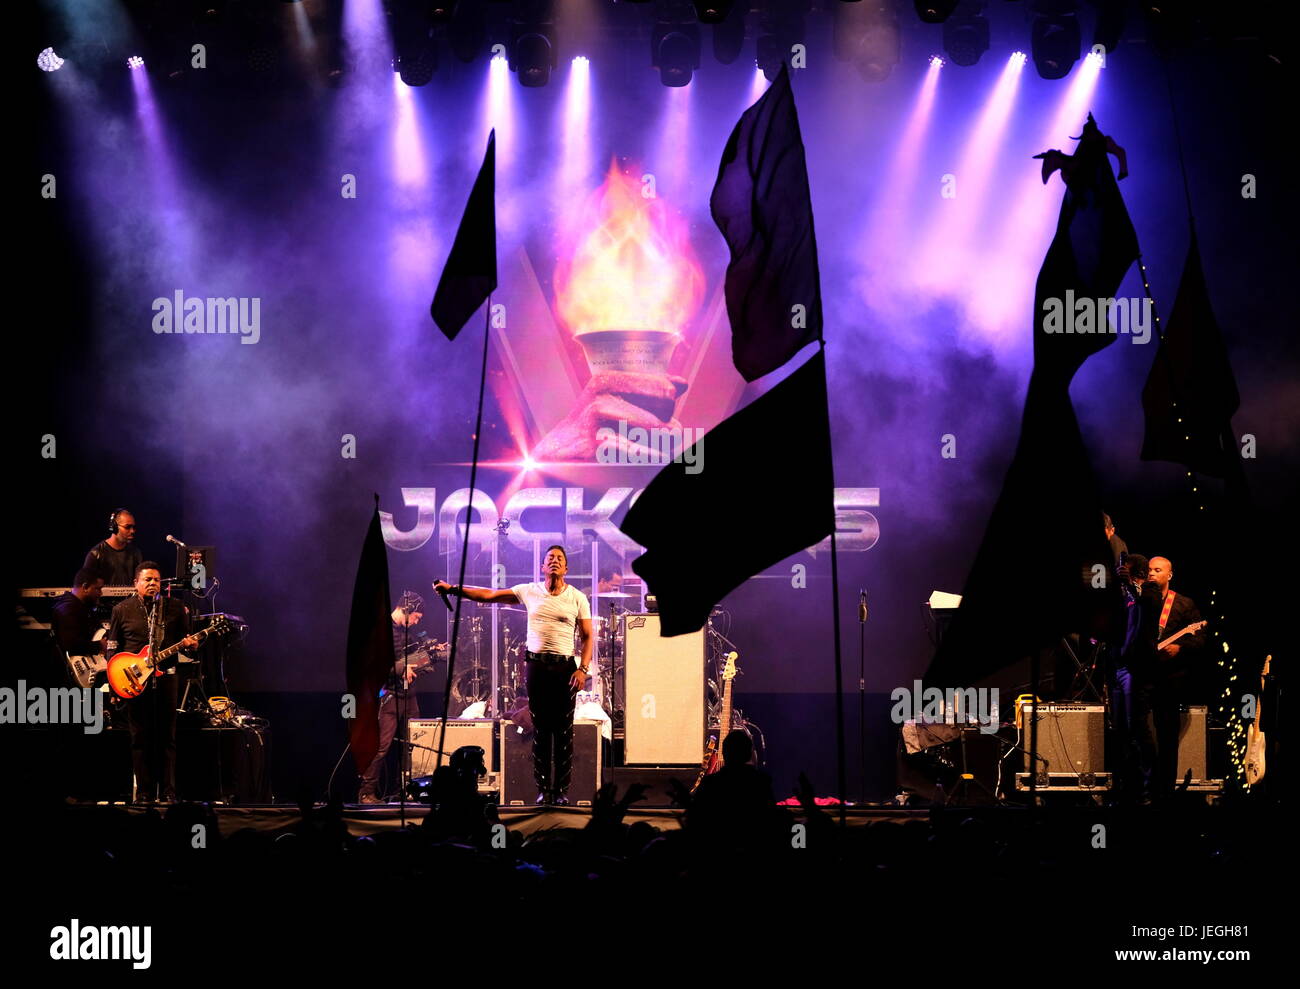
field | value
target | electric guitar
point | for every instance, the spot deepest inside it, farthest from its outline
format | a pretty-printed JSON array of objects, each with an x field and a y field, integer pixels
[
  {"x": 129, "y": 672},
  {"x": 712, "y": 761},
  {"x": 1255, "y": 738},
  {"x": 1189, "y": 630}
]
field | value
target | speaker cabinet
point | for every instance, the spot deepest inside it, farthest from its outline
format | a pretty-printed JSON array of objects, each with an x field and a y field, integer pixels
[
  {"x": 664, "y": 695},
  {"x": 519, "y": 789},
  {"x": 1192, "y": 747},
  {"x": 424, "y": 742}
]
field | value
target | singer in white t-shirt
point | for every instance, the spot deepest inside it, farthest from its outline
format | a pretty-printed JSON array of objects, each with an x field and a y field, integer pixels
[{"x": 559, "y": 625}]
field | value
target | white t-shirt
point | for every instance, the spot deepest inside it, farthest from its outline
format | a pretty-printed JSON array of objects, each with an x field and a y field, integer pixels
[{"x": 552, "y": 618}]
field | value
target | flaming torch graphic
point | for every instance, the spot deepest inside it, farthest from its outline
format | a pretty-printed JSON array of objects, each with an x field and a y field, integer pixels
[{"x": 632, "y": 283}]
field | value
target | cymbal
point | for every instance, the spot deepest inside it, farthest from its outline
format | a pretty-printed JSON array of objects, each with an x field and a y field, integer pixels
[{"x": 615, "y": 594}]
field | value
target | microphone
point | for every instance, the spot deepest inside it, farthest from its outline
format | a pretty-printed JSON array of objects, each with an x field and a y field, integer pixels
[
  {"x": 445, "y": 601},
  {"x": 173, "y": 539},
  {"x": 862, "y": 605}
]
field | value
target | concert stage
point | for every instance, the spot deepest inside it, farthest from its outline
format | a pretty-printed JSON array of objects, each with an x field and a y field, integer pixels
[{"x": 877, "y": 402}]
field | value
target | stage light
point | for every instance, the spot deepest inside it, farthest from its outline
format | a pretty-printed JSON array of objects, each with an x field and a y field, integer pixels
[
  {"x": 415, "y": 54},
  {"x": 768, "y": 56},
  {"x": 1019, "y": 58},
  {"x": 134, "y": 62},
  {"x": 934, "y": 11},
  {"x": 1055, "y": 37},
  {"x": 675, "y": 52},
  {"x": 534, "y": 59},
  {"x": 712, "y": 11},
  {"x": 532, "y": 42},
  {"x": 416, "y": 64},
  {"x": 48, "y": 61},
  {"x": 936, "y": 61},
  {"x": 966, "y": 35},
  {"x": 729, "y": 36},
  {"x": 1109, "y": 25}
]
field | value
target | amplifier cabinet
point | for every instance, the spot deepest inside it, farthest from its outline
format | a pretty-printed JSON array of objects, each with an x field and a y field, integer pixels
[
  {"x": 664, "y": 695},
  {"x": 424, "y": 741},
  {"x": 519, "y": 789}
]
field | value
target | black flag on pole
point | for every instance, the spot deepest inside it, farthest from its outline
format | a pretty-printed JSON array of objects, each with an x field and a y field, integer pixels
[
  {"x": 1032, "y": 581},
  {"x": 780, "y": 443},
  {"x": 762, "y": 205},
  {"x": 370, "y": 654},
  {"x": 470, "y": 274},
  {"x": 1191, "y": 395}
]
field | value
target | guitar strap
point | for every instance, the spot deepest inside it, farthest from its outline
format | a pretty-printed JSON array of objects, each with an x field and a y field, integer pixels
[{"x": 1164, "y": 615}]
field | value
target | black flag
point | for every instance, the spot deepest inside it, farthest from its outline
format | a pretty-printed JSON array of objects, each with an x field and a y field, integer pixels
[
  {"x": 781, "y": 443},
  {"x": 1033, "y": 582},
  {"x": 762, "y": 206},
  {"x": 370, "y": 655},
  {"x": 1191, "y": 394},
  {"x": 1094, "y": 246},
  {"x": 470, "y": 274}
]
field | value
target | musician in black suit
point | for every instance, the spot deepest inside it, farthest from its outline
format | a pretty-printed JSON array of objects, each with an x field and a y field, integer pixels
[
  {"x": 1152, "y": 683},
  {"x": 148, "y": 619}
]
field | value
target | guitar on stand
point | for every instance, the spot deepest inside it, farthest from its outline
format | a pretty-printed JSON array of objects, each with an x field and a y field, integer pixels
[
  {"x": 1255, "y": 738},
  {"x": 712, "y": 761}
]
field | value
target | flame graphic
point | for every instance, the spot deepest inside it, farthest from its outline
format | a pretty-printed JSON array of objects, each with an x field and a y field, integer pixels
[{"x": 632, "y": 268}]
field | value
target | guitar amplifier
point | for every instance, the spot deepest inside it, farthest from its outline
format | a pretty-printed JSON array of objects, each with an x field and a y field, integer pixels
[
  {"x": 664, "y": 691},
  {"x": 1071, "y": 746},
  {"x": 519, "y": 789},
  {"x": 424, "y": 742}
]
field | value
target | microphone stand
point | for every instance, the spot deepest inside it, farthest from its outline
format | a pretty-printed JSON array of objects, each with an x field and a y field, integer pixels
[{"x": 862, "y": 688}]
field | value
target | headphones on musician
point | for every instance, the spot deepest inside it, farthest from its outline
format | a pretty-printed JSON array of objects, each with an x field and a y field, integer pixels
[{"x": 112, "y": 519}]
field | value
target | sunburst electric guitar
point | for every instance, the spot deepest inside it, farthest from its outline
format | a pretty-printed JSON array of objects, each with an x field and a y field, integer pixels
[
  {"x": 712, "y": 761},
  {"x": 129, "y": 672}
]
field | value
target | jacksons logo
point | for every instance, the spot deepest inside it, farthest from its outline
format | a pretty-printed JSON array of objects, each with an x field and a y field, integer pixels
[
  {"x": 178, "y": 314},
  {"x": 22, "y": 705},
  {"x": 1086, "y": 315},
  {"x": 77, "y": 943},
  {"x": 639, "y": 445},
  {"x": 962, "y": 705}
]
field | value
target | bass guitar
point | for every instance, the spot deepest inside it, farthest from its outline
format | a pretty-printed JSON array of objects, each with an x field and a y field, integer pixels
[{"x": 712, "y": 761}]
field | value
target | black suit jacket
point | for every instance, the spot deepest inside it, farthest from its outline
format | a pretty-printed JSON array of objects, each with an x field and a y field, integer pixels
[{"x": 1191, "y": 655}]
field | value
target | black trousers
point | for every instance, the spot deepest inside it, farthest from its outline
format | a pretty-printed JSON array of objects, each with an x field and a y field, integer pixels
[
  {"x": 152, "y": 717},
  {"x": 1148, "y": 718},
  {"x": 390, "y": 727},
  {"x": 550, "y": 701}
]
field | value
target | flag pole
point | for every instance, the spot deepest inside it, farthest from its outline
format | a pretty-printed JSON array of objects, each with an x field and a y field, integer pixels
[
  {"x": 841, "y": 779},
  {"x": 469, "y": 518}
]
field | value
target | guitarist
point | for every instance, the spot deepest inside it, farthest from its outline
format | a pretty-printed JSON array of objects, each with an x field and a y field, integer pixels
[
  {"x": 397, "y": 702},
  {"x": 148, "y": 619},
  {"x": 1177, "y": 611},
  {"x": 72, "y": 620}
]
